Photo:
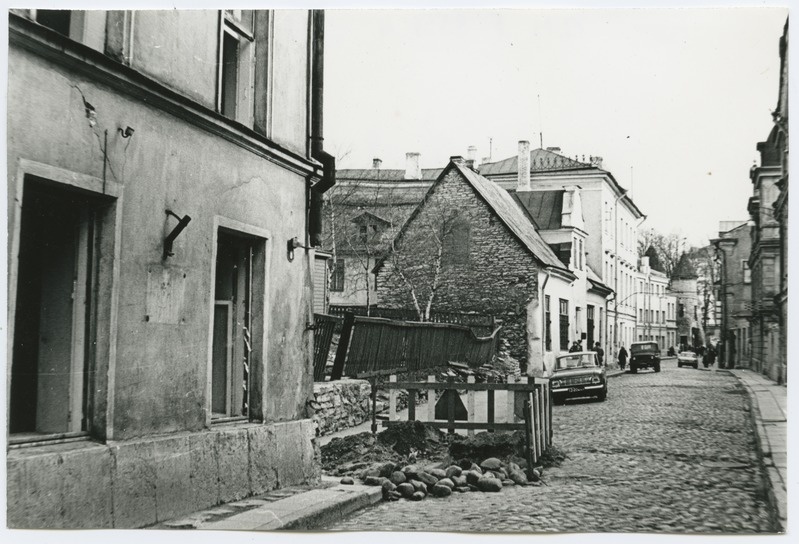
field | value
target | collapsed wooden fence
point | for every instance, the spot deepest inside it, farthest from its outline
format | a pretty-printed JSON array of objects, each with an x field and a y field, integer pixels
[
  {"x": 372, "y": 344},
  {"x": 527, "y": 407}
]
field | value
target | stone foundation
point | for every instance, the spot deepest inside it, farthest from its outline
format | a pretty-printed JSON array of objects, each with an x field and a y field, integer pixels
[
  {"x": 341, "y": 404},
  {"x": 142, "y": 482}
]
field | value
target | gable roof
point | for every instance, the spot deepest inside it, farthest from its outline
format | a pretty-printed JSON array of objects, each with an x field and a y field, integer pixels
[
  {"x": 541, "y": 160},
  {"x": 545, "y": 207}
]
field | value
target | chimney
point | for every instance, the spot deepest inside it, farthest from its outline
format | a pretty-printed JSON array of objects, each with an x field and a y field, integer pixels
[
  {"x": 413, "y": 170},
  {"x": 554, "y": 149},
  {"x": 523, "y": 180},
  {"x": 471, "y": 156},
  {"x": 457, "y": 159},
  {"x": 376, "y": 163},
  {"x": 596, "y": 161}
]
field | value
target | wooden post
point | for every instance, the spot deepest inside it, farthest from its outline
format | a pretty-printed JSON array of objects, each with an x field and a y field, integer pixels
[
  {"x": 343, "y": 345},
  {"x": 411, "y": 404},
  {"x": 392, "y": 399},
  {"x": 543, "y": 440},
  {"x": 490, "y": 405},
  {"x": 510, "y": 402},
  {"x": 528, "y": 435},
  {"x": 451, "y": 406},
  {"x": 431, "y": 399},
  {"x": 374, "y": 404},
  {"x": 470, "y": 405},
  {"x": 536, "y": 423},
  {"x": 549, "y": 397}
]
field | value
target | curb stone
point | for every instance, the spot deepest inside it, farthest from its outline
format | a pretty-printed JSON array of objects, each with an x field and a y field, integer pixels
[{"x": 777, "y": 508}]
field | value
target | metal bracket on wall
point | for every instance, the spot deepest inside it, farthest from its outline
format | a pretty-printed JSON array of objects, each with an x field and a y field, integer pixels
[{"x": 182, "y": 223}]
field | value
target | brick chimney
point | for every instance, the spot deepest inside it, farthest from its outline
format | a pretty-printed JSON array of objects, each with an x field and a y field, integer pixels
[
  {"x": 376, "y": 163},
  {"x": 523, "y": 179},
  {"x": 413, "y": 169},
  {"x": 471, "y": 157}
]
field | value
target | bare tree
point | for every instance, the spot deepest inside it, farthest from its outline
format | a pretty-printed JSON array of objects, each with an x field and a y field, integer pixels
[{"x": 669, "y": 247}]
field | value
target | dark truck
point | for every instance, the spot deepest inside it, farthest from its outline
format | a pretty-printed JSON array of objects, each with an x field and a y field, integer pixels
[{"x": 644, "y": 355}]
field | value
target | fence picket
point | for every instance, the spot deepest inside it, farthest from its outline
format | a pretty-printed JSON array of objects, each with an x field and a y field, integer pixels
[
  {"x": 431, "y": 399},
  {"x": 392, "y": 399},
  {"x": 470, "y": 394}
]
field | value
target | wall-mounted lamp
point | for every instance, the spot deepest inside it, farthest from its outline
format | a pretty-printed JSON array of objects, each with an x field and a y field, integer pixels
[
  {"x": 291, "y": 245},
  {"x": 182, "y": 223},
  {"x": 127, "y": 132}
]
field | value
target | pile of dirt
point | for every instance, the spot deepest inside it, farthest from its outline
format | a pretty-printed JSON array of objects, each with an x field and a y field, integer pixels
[
  {"x": 485, "y": 444},
  {"x": 401, "y": 443}
]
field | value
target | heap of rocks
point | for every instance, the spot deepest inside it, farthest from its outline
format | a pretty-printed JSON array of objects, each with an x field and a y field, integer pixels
[{"x": 414, "y": 482}]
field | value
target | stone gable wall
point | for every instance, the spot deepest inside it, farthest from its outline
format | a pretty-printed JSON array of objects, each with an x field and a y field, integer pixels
[{"x": 499, "y": 278}]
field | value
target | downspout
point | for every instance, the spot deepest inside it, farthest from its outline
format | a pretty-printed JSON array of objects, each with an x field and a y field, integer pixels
[
  {"x": 317, "y": 130},
  {"x": 541, "y": 300}
]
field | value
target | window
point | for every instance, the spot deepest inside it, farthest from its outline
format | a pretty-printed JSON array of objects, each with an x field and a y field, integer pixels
[
  {"x": 547, "y": 325},
  {"x": 456, "y": 242},
  {"x": 590, "y": 326},
  {"x": 235, "y": 59},
  {"x": 682, "y": 310},
  {"x": 747, "y": 273},
  {"x": 564, "y": 324},
  {"x": 337, "y": 276},
  {"x": 55, "y": 19}
]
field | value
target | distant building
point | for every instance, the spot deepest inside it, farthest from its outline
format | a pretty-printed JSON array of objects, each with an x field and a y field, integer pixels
[
  {"x": 473, "y": 247},
  {"x": 163, "y": 167},
  {"x": 655, "y": 304},
  {"x": 611, "y": 220},
  {"x": 363, "y": 213},
  {"x": 735, "y": 294},
  {"x": 683, "y": 285}
]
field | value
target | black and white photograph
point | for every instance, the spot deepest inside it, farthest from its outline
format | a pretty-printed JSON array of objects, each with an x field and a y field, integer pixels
[{"x": 355, "y": 271}]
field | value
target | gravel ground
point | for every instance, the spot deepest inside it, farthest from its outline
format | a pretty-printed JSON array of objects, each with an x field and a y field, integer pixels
[{"x": 669, "y": 452}]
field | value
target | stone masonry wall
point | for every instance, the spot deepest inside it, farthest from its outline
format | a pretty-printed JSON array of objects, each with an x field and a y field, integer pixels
[
  {"x": 499, "y": 277},
  {"x": 340, "y": 404}
]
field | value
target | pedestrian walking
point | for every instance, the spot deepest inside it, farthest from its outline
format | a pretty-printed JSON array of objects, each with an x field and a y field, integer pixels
[
  {"x": 575, "y": 347},
  {"x": 622, "y": 357},
  {"x": 600, "y": 353}
]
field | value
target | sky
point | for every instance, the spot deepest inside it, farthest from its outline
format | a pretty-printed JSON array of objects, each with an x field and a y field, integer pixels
[{"x": 674, "y": 100}]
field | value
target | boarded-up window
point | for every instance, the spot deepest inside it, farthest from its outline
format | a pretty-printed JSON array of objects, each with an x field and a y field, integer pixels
[
  {"x": 456, "y": 242},
  {"x": 320, "y": 285}
]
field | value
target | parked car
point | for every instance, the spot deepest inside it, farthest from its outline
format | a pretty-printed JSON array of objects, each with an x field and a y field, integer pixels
[
  {"x": 644, "y": 355},
  {"x": 687, "y": 358},
  {"x": 578, "y": 374}
]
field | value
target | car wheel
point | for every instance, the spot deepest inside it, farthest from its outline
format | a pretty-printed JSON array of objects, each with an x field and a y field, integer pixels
[
  {"x": 679, "y": 365},
  {"x": 633, "y": 369},
  {"x": 603, "y": 394},
  {"x": 696, "y": 365},
  {"x": 657, "y": 367}
]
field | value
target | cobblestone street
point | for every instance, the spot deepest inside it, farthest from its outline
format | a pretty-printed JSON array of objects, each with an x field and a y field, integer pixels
[{"x": 667, "y": 452}]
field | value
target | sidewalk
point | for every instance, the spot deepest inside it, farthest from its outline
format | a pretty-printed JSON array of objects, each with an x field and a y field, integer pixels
[
  {"x": 770, "y": 413},
  {"x": 291, "y": 508}
]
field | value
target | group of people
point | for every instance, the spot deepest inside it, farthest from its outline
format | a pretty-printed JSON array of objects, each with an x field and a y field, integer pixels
[{"x": 577, "y": 345}]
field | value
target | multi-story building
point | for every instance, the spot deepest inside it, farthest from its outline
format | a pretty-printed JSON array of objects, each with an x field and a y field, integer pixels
[
  {"x": 363, "y": 213},
  {"x": 765, "y": 259},
  {"x": 683, "y": 286},
  {"x": 611, "y": 221},
  {"x": 165, "y": 171},
  {"x": 734, "y": 287},
  {"x": 655, "y": 305},
  {"x": 781, "y": 204}
]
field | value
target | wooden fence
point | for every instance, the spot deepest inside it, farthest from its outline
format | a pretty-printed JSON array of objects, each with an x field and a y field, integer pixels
[
  {"x": 372, "y": 344},
  {"x": 324, "y": 326},
  {"x": 527, "y": 406},
  {"x": 483, "y": 325}
]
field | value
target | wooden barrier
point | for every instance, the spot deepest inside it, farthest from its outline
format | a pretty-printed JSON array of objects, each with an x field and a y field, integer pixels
[
  {"x": 535, "y": 397},
  {"x": 322, "y": 337}
]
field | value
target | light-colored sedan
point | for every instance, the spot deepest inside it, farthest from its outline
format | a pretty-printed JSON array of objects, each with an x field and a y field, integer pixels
[{"x": 687, "y": 358}]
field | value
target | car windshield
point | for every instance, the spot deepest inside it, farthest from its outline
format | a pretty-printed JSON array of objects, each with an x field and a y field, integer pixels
[
  {"x": 687, "y": 354},
  {"x": 638, "y": 348},
  {"x": 576, "y": 361}
]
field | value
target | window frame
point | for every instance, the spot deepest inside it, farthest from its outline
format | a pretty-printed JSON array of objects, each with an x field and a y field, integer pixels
[
  {"x": 338, "y": 275},
  {"x": 563, "y": 321},
  {"x": 232, "y": 29}
]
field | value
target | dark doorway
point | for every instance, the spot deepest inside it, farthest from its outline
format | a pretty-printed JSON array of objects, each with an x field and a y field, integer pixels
[{"x": 51, "y": 314}]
